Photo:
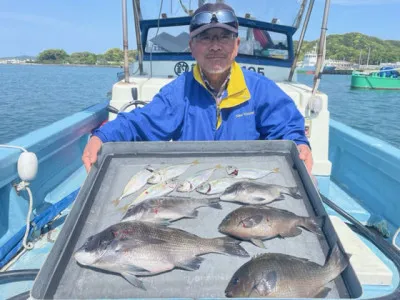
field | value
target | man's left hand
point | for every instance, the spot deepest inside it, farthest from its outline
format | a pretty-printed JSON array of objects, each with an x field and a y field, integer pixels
[{"x": 306, "y": 156}]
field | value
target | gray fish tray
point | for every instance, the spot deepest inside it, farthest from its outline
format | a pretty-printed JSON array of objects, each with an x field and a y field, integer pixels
[{"x": 94, "y": 210}]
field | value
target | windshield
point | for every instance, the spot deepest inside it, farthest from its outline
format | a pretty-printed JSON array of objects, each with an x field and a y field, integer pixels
[
  {"x": 253, "y": 42},
  {"x": 282, "y": 12}
]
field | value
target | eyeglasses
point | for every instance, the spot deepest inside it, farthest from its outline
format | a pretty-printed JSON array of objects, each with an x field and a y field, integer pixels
[
  {"x": 207, "y": 39},
  {"x": 222, "y": 16}
]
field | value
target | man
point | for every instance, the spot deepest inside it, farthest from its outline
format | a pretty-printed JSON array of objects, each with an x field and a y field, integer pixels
[{"x": 216, "y": 101}]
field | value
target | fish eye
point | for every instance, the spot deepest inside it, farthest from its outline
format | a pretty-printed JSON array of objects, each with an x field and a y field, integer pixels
[{"x": 235, "y": 281}]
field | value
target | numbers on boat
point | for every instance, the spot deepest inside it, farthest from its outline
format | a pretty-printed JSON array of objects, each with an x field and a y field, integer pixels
[{"x": 259, "y": 70}]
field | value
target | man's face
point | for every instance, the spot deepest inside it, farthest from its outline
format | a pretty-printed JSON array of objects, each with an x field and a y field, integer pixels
[{"x": 214, "y": 50}]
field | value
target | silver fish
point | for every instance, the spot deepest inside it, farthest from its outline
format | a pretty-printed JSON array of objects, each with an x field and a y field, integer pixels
[
  {"x": 136, "y": 182},
  {"x": 279, "y": 275},
  {"x": 191, "y": 183},
  {"x": 164, "y": 210},
  {"x": 170, "y": 172},
  {"x": 255, "y": 223},
  {"x": 249, "y": 173},
  {"x": 216, "y": 186},
  {"x": 143, "y": 248},
  {"x": 157, "y": 190},
  {"x": 247, "y": 192}
]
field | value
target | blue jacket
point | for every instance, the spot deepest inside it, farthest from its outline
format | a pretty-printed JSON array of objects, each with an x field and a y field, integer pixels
[{"x": 253, "y": 107}]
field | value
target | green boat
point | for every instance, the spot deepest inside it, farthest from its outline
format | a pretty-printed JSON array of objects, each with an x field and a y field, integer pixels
[{"x": 384, "y": 79}]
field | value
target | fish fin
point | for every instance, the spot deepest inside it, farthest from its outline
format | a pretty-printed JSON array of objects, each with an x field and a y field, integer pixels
[
  {"x": 260, "y": 199},
  {"x": 117, "y": 201},
  {"x": 124, "y": 209},
  {"x": 150, "y": 168},
  {"x": 252, "y": 221},
  {"x": 295, "y": 193},
  {"x": 132, "y": 279},
  {"x": 291, "y": 233},
  {"x": 337, "y": 259},
  {"x": 230, "y": 246},
  {"x": 275, "y": 170},
  {"x": 193, "y": 214},
  {"x": 132, "y": 269},
  {"x": 266, "y": 284},
  {"x": 314, "y": 224},
  {"x": 191, "y": 264},
  {"x": 322, "y": 293},
  {"x": 258, "y": 243},
  {"x": 163, "y": 222},
  {"x": 214, "y": 203}
]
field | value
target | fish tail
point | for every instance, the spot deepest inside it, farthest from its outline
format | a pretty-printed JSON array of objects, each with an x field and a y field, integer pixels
[
  {"x": 314, "y": 224},
  {"x": 294, "y": 192},
  {"x": 195, "y": 162},
  {"x": 337, "y": 261},
  {"x": 228, "y": 245},
  {"x": 214, "y": 203}
]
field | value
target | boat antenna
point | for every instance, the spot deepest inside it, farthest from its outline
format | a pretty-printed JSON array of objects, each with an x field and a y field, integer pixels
[
  {"x": 125, "y": 40},
  {"x": 137, "y": 16},
  {"x": 301, "y": 39},
  {"x": 187, "y": 11},
  {"x": 321, "y": 49},
  {"x": 299, "y": 16}
]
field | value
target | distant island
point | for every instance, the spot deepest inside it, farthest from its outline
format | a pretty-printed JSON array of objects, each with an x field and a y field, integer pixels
[{"x": 352, "y": 47}]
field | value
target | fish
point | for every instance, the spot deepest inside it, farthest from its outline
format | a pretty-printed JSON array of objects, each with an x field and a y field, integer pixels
[
  {"x": 248, "y": 192},
  {"x": 216, "y": 186},
  {"x": 255, "y": 224},
  {"x": 157, "y": 190},
  {"x": 249, "y": 173},
  {"x": 170, "y": 172},
  {"x": 275, "y": 275},
  {"x": 136, "y": 248},
  {"x": 191, "y": 183},
  {"x": 164, "y": 210},
  {"x": 136, "y": 182}
]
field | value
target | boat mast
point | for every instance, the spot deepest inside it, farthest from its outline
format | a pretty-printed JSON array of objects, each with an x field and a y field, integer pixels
[
  {"x": 321, "y": 49},
  {"x": 137, "y": 15},
  {"x": 125, "y": 40},
  {"x": 303, "y": 32}
]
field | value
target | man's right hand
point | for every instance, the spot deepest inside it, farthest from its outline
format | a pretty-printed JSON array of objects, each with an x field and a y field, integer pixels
[{"x": 89, "y": 156}]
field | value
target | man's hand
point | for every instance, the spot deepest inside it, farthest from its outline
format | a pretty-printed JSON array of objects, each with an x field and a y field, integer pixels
[
  {"x": 89, "y": 156},
  {"x": 306, "y": 156}
]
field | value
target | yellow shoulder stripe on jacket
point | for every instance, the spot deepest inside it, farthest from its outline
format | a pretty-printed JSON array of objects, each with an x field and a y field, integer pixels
[{"x": 238, "y": 92}]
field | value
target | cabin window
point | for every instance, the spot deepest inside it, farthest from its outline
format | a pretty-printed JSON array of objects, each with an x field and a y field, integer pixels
[
  {"x": 254, "y": 42},
  {"x": 263, "y": 43}
]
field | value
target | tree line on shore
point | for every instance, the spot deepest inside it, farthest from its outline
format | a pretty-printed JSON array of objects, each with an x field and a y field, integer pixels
[
  {"x": 113, "y": 56},
  {"x": 354, "y": 47}
]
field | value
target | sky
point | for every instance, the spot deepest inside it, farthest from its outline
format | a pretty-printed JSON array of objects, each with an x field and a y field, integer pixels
[{"x": 28, "y": 27}]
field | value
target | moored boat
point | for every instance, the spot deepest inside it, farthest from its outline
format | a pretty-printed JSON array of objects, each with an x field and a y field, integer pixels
[{"x": 385, "y": 79}]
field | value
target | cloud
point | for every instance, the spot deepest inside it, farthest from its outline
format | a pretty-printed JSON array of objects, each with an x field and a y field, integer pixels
[
  {"x": 364, "y": 2},
  {"x": 33, "y": 19}
]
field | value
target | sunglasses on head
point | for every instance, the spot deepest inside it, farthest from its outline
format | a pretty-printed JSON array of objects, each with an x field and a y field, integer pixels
[{"x": 222, "y": 16}]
